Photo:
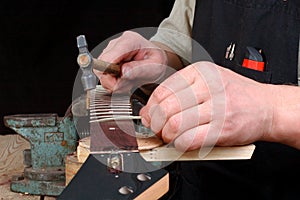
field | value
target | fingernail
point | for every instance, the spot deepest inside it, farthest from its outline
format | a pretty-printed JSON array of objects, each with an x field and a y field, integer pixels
[
  {"x": 152, "y": 109},
  {"x": 125, "y": 72},
  {"x": 145, "y": 122}
]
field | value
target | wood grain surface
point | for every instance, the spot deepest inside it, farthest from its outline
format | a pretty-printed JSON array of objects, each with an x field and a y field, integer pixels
[
  {"x": 11, "y": 163},
  {"x": 11, "y": 153}
]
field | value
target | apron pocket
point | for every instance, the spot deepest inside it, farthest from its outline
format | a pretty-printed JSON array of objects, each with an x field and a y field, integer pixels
[{"x": 263, "y": 77}]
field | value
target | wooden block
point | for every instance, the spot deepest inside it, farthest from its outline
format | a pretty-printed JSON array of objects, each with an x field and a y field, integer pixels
[
  {"x": 72, "y": 167},
  {"x": 157, "y": 190},
  {"x": 11, "y": 152},
  {"x": 11, "y": 163},
  {"x": 74, "y": 161},
  {"x": 83, "y": 148},
  {"x": 151, "y": 149},
  {"x": 165, "y": 153},
  {"x": 148, "y": 143}
]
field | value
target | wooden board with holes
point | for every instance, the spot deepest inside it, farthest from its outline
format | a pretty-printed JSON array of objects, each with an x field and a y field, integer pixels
[
  {"x": 83, "y": 148},
  {"x": 74, "y": 161},
  {"x": 165, "y": 153},
  {"x": 152, "y": 149}
]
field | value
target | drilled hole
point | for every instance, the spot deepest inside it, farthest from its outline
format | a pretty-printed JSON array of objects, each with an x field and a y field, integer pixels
[
  {"x": 144, "y": 177},
  {"x": 125, "y": 190}
]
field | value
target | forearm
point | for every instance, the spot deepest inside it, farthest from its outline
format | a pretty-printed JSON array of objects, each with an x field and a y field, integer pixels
[
  {"x": 286, "y": 115},
  {"x": 173, "y": 59}
]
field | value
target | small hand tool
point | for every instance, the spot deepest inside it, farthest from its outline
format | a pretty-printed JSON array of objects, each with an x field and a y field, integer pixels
[
  {"x": 229, "y": 54},
  {"x": 253, "y": 59},
  {"x": 87, "y": 63},
  {"x": 89, "y": 81}
]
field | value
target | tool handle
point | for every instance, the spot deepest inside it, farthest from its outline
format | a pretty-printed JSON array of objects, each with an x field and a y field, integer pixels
[{"x": 107, "y": 67}]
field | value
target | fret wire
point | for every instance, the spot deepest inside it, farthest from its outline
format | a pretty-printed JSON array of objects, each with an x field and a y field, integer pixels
[
  {"x": 110, "y": 106},
  {"x": 109, "y": 116},
  {"x": 112, "y": 113},
  {"x": 107, "y": 108},
  {"x": 130, "y": 117},
  {"x": 111, "y": 109},
  {"x": 110, "y": 100}
]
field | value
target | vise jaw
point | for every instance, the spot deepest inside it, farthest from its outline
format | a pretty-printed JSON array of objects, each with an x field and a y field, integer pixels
[{"x": 51, "y": 138}]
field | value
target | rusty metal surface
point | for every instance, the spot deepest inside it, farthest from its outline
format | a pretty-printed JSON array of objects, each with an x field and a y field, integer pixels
[
  {"x": 51, "y": 138},
  {"x": 48, "y": 174},
  {"x": 30, "y": 120}
]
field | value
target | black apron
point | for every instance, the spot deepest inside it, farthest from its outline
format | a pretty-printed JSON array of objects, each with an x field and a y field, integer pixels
[{"x": 273, "y": 26}]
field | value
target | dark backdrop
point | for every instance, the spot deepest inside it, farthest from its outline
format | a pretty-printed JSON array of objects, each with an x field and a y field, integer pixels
[{"x": 38, "y": 46}]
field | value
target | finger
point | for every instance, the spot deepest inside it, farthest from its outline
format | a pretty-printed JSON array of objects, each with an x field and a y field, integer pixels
[
  {"x": 178, "y": 81},
  {"x": 193, "y": 138},
  {"x": 152, "y": 53},
  {"x": 107, "y": 81},
  {"x": 158, "y": 118},
  {"x": 123, "y": 86},
  {"x": 123, "y": 48},
  {"x": 185, "y": 120},
  {"x": 187, "y": 98},
  {"x": 206, "y": 135},
  {"x": 97, "y": 73},
  {"x": 146, "y": 71},
  {"x": 204, "y": 75},
  {"x": 118, "y": 55},
  {"x": 159, "y": 94},
  {"x": 138, "y": 73},
  {"x": 111, "y": 45},
  {"x": 175, "y": 103}
]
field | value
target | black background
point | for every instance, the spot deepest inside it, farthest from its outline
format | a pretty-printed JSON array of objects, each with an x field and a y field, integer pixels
[{"x": 38, "y": 46}]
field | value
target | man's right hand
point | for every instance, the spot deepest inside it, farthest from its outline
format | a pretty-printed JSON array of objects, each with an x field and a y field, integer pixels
[{"x": 142, "y": 62}]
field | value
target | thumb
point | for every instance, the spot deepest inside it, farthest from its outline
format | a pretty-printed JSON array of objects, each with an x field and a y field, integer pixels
[
  {"x": 132, "y": 70},
  {"x": 146, "y": 71}
]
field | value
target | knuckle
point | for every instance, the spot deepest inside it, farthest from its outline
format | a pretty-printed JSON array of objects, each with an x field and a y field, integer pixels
[
  {"x": 111, "y": 43},
  {"x": 125, "y": 33},
  {"x": 183, "y": 143},
  {"x": 174, "y": 123},
  {"x": 158, "y": 93},
  {"x": 130, "y": 34},
  {"x": 166, "y": 136}
]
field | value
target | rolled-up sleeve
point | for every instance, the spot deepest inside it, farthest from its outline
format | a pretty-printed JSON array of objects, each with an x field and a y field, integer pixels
[{"x": 175, "y": 31}]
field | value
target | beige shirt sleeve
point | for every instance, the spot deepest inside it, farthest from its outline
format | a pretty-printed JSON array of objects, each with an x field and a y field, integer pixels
[
  {"x": 299, "y": 64},
  {"x": 175, "y": 31}
]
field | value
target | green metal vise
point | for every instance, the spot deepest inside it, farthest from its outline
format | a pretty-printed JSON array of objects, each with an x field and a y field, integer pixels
[{"x": 51, "y": 138}]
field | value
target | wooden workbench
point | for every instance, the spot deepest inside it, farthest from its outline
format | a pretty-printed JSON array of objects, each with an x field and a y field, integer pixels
[{"x": 11, "y": 163}]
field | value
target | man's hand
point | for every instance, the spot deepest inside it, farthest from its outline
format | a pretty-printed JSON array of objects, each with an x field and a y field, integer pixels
[
  {"x": 205, "y": 105},
  {"x": 142, "y": 62}
]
